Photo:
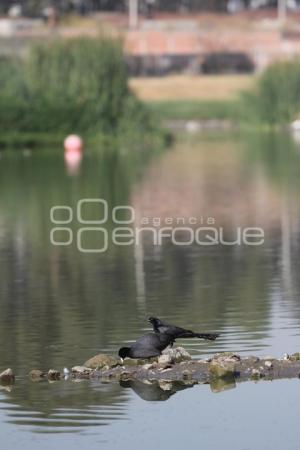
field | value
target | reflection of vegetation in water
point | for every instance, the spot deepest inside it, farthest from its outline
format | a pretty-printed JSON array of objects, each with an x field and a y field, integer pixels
[
  {"x": 59, "y": 307},
  {"x": 206, "y": 287},
  {"x": 32, "y": 268},
  {"x": 227, "y": 179},
  {"x": 278, "y": 153},
  {"x": 70, "y": 407}
]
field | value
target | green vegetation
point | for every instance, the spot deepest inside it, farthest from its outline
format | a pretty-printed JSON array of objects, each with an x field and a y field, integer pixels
[
  {"x": 66, "y": 86},
  {"x": 81, "y": 86},
  {"x": 275, "y": 99},
  {"x": 195, "y": 109}
]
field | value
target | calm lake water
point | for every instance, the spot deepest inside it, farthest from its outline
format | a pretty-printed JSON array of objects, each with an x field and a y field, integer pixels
[{"x": 60, "y": 306}]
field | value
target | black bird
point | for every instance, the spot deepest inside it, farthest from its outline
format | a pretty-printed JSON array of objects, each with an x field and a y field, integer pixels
[
  {"x": 174, "y": 332},
  {"x": 147, "y": 346}
]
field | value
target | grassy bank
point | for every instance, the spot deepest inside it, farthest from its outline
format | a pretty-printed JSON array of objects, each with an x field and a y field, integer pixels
[
  {"x": 270, "y": 100},
  {"x": 186, "y": 97},
  {"x": 195, "y": 109},
  {"x": 205, "y": 88}
]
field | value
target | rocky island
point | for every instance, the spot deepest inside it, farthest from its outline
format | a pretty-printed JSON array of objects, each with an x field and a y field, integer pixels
[{"x": 174, "y": 370}]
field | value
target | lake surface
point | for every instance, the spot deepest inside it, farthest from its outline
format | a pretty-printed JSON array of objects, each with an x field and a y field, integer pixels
[{"x": 61, "y": 304}]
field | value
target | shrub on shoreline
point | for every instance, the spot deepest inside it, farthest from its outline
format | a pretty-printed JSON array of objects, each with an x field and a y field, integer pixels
[
  {"x": 275, "y": 100},
  {"x": 65, "y": 86}
]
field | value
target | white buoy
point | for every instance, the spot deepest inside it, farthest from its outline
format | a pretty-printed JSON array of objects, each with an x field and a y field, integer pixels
[{"x": 192, "y": 126}]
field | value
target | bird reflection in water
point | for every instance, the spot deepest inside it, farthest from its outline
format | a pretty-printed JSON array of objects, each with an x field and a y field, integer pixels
[
  {"x": 161, "y": 390},
  {"x": 155, "y": 390}
]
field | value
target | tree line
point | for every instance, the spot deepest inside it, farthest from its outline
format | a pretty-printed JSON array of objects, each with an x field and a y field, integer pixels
[{"x": 35, "y": 7}]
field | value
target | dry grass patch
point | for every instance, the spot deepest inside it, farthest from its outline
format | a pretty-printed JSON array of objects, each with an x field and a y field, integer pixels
[{"x": 187, "y": 87}]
